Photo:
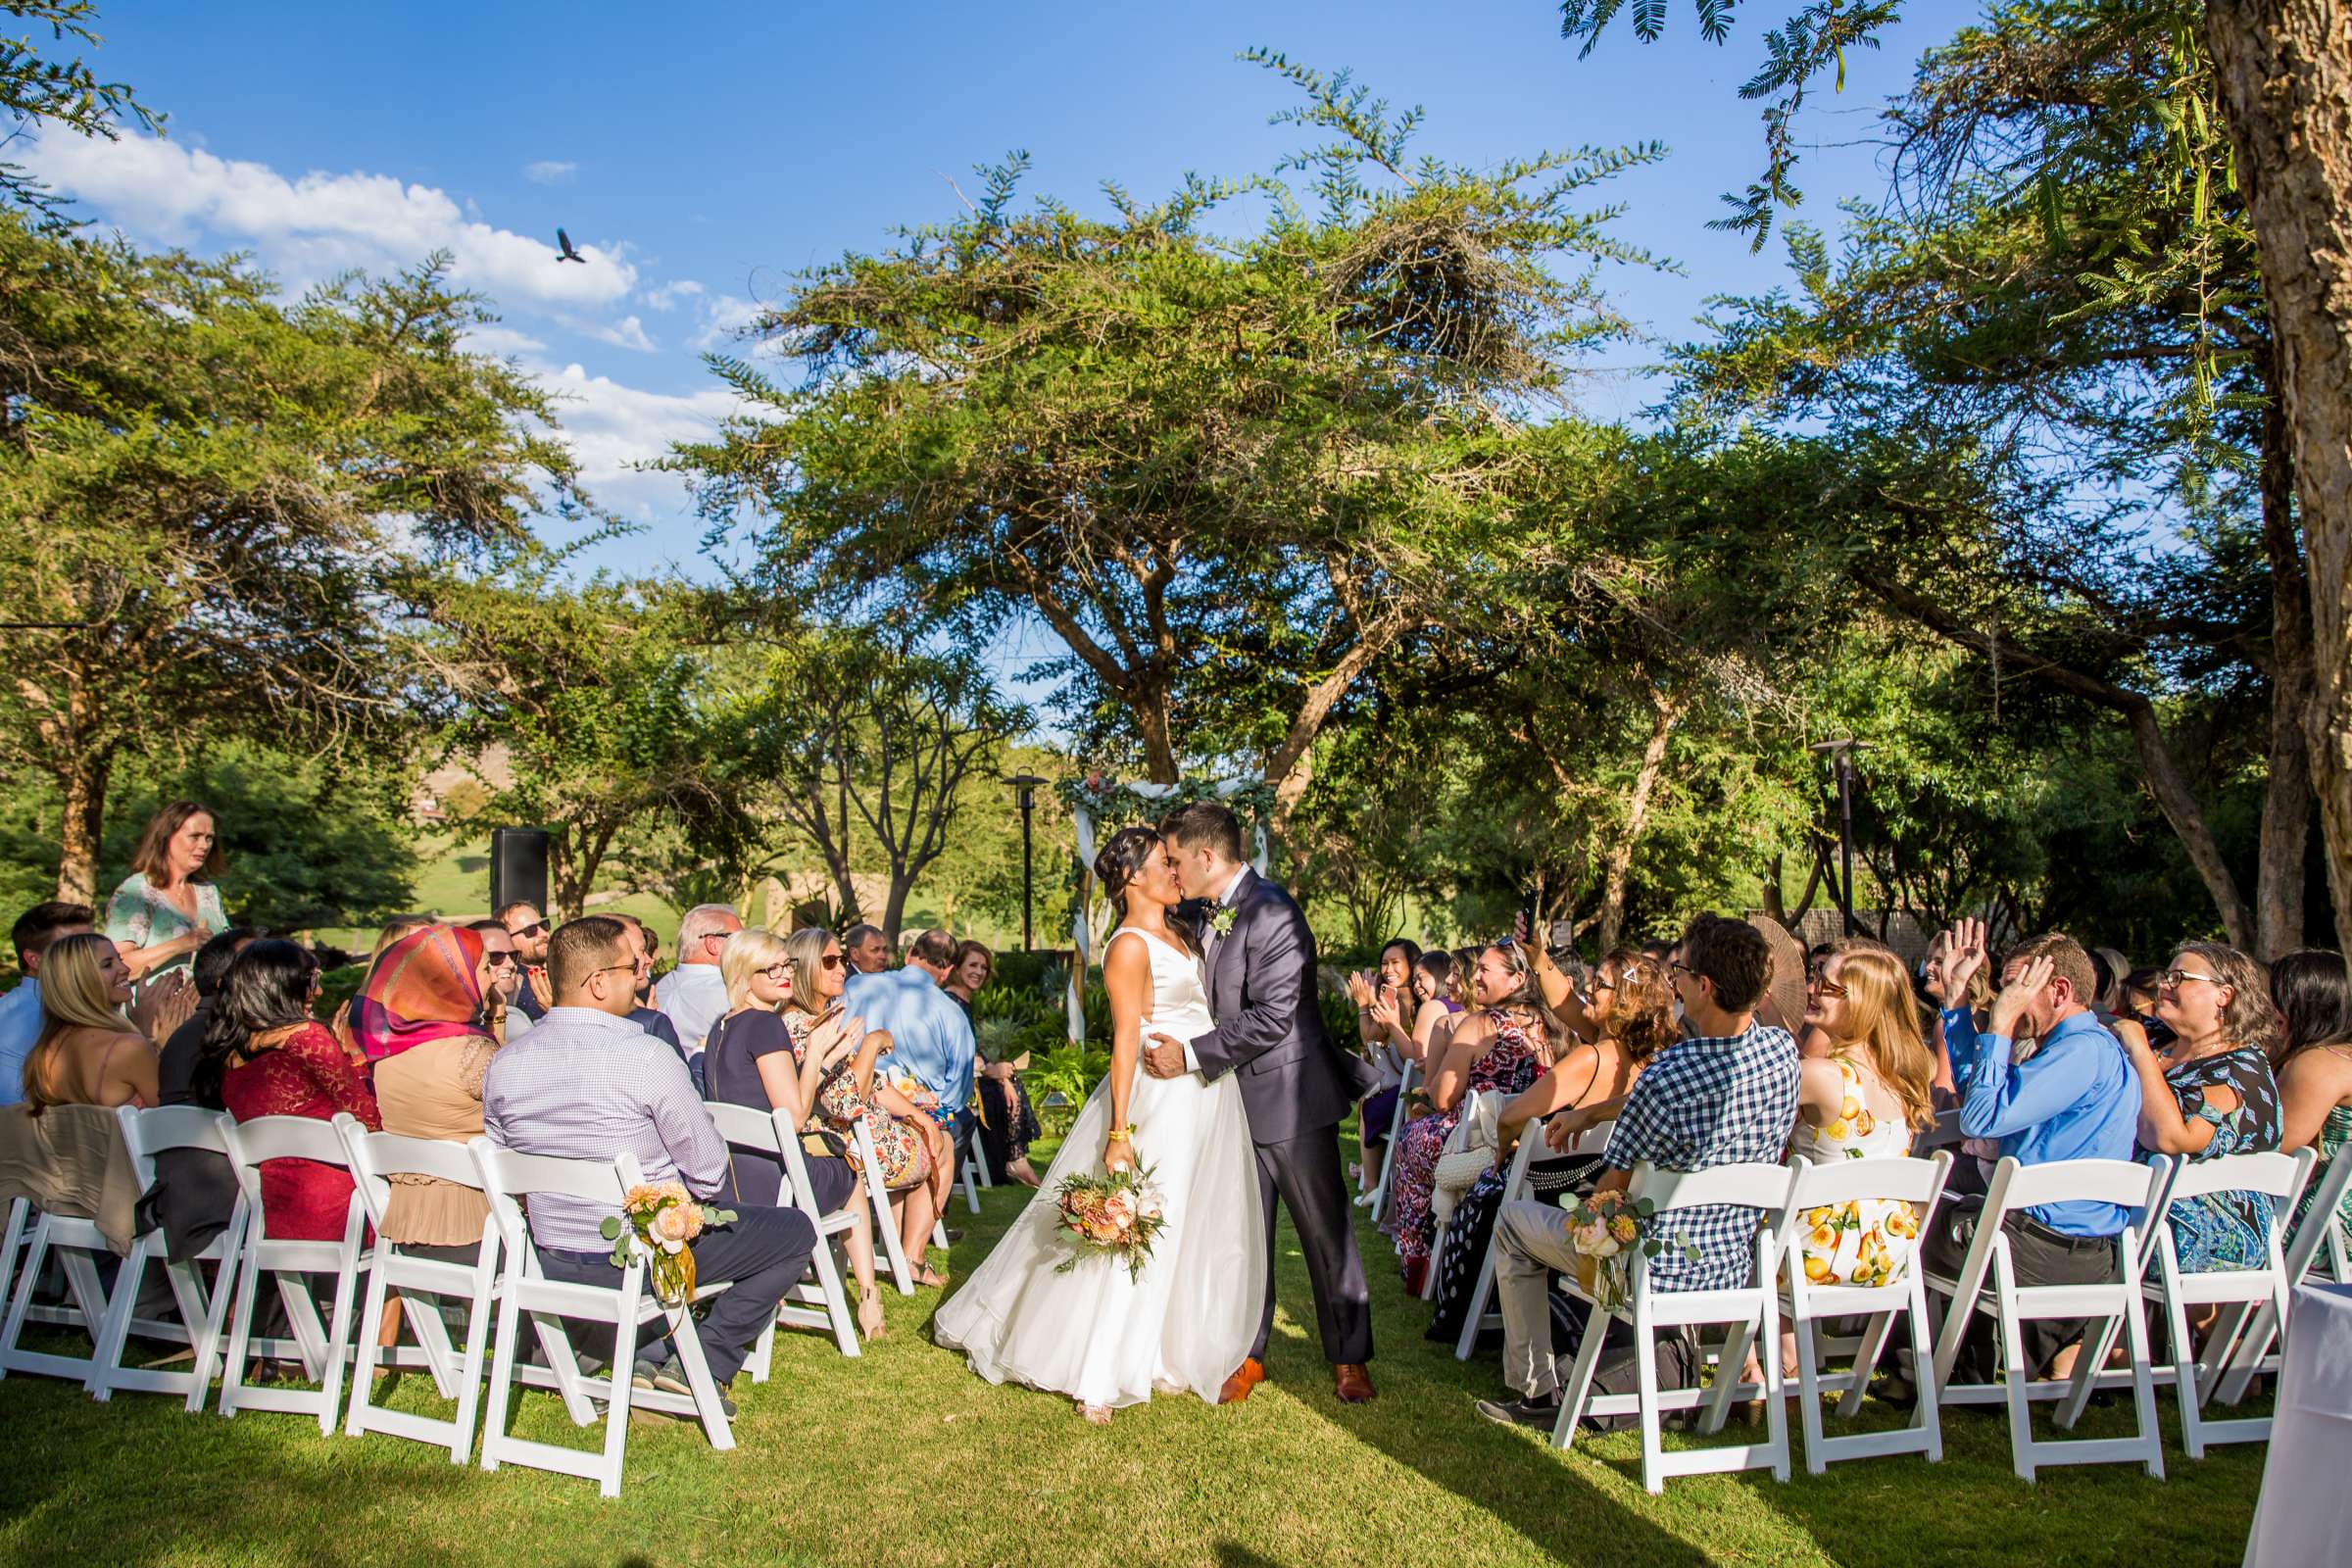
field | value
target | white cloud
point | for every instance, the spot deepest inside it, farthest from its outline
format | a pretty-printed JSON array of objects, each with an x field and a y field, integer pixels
[
  {"x": 611, "y": 427},
  {"x": 626, "y": 333},
  {"x": 665, "y": 296},
  {"x": 501, "y": 341},
  {"x": 547, "y": 172},
  {"x": 723, "y": 322},
  {"x": 320, "y": 224}
]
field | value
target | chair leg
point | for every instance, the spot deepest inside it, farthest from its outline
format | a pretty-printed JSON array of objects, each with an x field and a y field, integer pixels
[
  {"x": 1580, "y": 1379},
  {"x": 114, "y": 1333},
  {"x": 2015, "y": 1374},
  {"x": 2184, "y": 1374},
  {"x": 1866, "y": 1361},
  {"x": 240, "y": 1322},
  {"x": 216, "y": 1315},
  {"x": 616, "y": 1408},
  {"x": 886, "y": 1227},
  {"x": 1776, "y": 1408},
  {"x": 2143, "y": 1388},
  {"x": 1808, "y": 1396},
  {"x": 363, "y": 1377},
  {"x": 1727, "y": 1369},
  {"x": 338, "y": 1334},
  {"x": 469, "y": 1370},
  {"x": 1480, "y": 1293},
  {"x": 21, "y": 1303},
  {"x": 502, "y": 1378},
  {"x": 837, "y": 1303},
  {"x": 2093, "y": 1357},
  {"x": 1646, "y": 1374}
]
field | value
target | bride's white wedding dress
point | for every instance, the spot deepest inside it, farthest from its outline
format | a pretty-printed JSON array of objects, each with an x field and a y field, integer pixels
[{"x": 1188, "y": 1322}]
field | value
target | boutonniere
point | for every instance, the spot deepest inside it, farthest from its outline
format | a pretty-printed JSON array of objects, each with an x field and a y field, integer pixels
[{"x": 1221, "y": 922}]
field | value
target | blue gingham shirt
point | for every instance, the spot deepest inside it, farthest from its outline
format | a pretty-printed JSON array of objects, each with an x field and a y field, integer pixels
[
  {"x": 585, "y": 1085},
  {"x": 1712, "y": 1100}
]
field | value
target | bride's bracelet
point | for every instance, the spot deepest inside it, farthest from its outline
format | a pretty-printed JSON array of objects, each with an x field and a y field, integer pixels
[{"x": 1121, "y": 1135}]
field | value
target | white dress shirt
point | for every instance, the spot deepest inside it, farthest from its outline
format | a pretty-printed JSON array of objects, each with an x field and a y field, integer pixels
[{"x": 694, "y": 996}]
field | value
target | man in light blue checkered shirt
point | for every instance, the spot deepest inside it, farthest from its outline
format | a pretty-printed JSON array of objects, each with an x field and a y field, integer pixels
[{"x": 1725, "y": 1097}]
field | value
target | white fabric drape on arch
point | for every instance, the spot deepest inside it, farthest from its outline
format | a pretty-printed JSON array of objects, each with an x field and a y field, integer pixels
[{"x": 1084, "y": 920}]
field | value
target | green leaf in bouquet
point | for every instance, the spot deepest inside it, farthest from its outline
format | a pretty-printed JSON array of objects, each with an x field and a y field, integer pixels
[{"x": 610, "y": 1230}]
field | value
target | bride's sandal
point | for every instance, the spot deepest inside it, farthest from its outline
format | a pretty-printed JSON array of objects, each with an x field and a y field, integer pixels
[{"x": 1097, "y": 1415}]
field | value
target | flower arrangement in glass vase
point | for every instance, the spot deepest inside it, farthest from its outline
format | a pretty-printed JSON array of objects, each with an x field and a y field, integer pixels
[
  {"x": 661, "y": 1221},
  {"x": 1117, "y": 1215},
  {"x": 1608, "y": 1230}
]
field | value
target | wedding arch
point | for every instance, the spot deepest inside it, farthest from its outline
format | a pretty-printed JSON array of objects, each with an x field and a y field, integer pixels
[{"x": 1095, "y": 799}]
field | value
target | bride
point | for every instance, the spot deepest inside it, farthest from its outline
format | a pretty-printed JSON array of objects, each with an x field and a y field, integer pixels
[{"x": 1093, "y": 1334}]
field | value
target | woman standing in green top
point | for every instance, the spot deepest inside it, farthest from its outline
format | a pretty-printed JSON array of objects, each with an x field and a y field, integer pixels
[{"x": 169, "y": 905}]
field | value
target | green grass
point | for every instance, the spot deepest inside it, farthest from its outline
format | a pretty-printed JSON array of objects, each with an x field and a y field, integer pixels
[{"x": 904, "y": 1457}]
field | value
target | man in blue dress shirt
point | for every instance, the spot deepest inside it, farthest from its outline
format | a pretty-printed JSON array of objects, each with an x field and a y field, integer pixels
[
  {"x": 20, "y": 1008},
  {"x": 929, "y": 1035},
  {"x": 2076, "y": 1097}
]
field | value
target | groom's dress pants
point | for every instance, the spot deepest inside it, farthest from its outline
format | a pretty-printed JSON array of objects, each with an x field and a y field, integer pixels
[{"x": 1305, "y": 1175}]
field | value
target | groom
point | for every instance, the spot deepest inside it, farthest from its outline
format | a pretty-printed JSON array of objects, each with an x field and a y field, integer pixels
[{"x": 1296, "y": 1084}]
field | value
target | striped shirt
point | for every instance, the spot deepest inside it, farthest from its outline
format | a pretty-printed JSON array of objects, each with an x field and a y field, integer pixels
[{"x": 585, "y": 1085}]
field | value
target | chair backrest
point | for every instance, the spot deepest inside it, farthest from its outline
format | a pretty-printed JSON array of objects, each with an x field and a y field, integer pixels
[
  {"x": 2278, "y": 1175},
  {"x": 376, "y": 1158},
  {"x": 1945, "y": 1134},
  {"x": 1593, "y": 1140},
  {"x": 163, "y": 1128},
  {"x": 2124, "y": 1181},
  {"x": 267, "y": 1138},
  {"x": 1753, "y": 1184},
  {"x": 1908, "y": 1180},
  {"x": 740, "y": 1124}
]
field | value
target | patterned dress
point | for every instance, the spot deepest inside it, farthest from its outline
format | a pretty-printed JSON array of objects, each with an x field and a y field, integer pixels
[
  {"x": 2335, "y": 1133},
  {"x": 305, "y": 1074},
  {"x": 1870, "y": 1240},
  {"x": 138, "y": 915},
  {"x": 905, "y": 1155},
  {"x": 2227, "y": 1230},
  {"x": 1509, "y": 1067}
]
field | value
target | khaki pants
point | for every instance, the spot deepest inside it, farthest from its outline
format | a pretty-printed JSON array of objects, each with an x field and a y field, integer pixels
[{"x": 1531, "y": 1245}]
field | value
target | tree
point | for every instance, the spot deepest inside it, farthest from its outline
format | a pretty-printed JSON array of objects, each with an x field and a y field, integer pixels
[
  {"x": 1183, "y": 451},
  {"x": 603, "y": 699},
  {"x": 2283, "y": 80},
  {"x": 860, "y": 735},
  {"x": 37, "y": 92},
  {"x": 209, "y": 498}
]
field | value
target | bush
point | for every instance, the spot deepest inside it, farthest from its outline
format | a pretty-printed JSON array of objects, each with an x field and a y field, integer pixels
[
  {"x": 336, "y": 987},
  {"x": 1026, "y": 971},
  {"x": 1060, "y": 1080}
]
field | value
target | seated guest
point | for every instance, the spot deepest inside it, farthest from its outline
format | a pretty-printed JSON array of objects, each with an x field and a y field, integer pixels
[
  {"x": 2074, "y": 1097},
  {"x": 175, "y": 1066},
  {"x": 501, "y": 977},
  {"x": 752, "y": 1059},
  {"x": 89, "y": 1054},
  {"x": 694, "y": 995},
  {"x": 1008, "y": 1121},
  {"x": 2209, "y": 1092},
  {"x": 433, "y": 995},
  {"x": 266, "y": 1056},
  {"x": 170, "y": 905},
  {"x": 1724, "y": 1096},
  {"x": 1501, "y": 1048},
  {"x": 653, "y": 1022},
  {"x": 1633, "y": 1019},
  {"x": 195, "y": 1192},
  {"x": 20, "y": 1009},
  {"x": 587, "y": 1084},
  {"x": 1390, "y": 1009},
  {"x": 529, "y": 927},
  {"x": 399, "y": 925},
  {"x": 931, "y": 1050},
  {"x": 908, "y": 1143},
  {"x": 2313, "y": 993}
]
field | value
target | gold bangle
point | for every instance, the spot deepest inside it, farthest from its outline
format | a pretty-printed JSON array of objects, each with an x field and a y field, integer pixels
[{"x": 1121, "y": 1135}]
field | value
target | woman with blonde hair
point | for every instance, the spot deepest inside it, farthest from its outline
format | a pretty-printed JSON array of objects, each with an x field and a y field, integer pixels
[
  {"x": 752, "y": 1057},
  {"x": 88, "y": 1053}
]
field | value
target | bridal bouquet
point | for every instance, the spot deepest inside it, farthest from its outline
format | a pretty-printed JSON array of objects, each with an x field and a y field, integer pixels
[
  {"x": 662, "y": 1219},
  {"x": 1608, "y": 1230},
  {"x": 1119, "y": 1214}
]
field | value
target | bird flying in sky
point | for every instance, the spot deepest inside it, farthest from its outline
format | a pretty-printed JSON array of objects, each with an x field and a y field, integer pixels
[{"x": 563, "y": 241}]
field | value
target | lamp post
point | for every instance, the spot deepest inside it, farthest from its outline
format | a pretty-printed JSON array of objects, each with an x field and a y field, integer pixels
[
  {"x": 1025, "y": 784},
  {"x": 1840, "y": 754}
]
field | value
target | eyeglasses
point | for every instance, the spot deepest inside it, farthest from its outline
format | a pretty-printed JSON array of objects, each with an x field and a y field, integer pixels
[
  {"x": 1823, "y": 985},
  {"x": 531, "y": 930},
  {"x": 831, "y": 961},
  {"x": 777, "y": 973},
  {"x": 501, "y": 960},
  {"x": 2175, "y": 979},
  {"x": 610, "y": 967}
]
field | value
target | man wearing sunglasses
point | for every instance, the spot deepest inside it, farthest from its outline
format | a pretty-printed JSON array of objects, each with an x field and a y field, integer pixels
[
  {"x": 528, "y": 928},
  {"x": 2074, "y": 1097},
  {"x": 694, "y": 997}
]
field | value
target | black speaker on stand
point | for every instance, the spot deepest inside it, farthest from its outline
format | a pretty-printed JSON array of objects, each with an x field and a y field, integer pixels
[{"x": 519, "y": 867}]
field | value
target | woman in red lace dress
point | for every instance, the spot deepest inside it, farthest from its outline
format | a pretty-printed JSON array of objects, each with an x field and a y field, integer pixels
[{"x": 266, "y": 1056}]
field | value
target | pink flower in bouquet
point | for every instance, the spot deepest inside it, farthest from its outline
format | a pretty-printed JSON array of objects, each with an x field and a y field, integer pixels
[
  {"x": 1119, "y": 1209},
  {"x": 680, "y": 1224},
  {"x": 1103, "y": 1231},
  {"x": 1593, "y": 1240},
  {"x": 642, "y": 1196}
]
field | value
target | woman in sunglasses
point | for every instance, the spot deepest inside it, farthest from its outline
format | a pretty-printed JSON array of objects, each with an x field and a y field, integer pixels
[{"x": 2210, "y": 1092}]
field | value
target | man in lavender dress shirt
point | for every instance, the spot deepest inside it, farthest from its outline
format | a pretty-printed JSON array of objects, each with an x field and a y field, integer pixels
[{"x": 586, "y": 1083}]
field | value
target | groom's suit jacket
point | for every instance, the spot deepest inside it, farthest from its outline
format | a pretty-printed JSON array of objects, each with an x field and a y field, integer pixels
[{"x": 1270, "y": 1028}]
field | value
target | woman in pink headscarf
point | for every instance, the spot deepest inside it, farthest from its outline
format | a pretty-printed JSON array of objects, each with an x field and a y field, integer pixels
[{"x": 419, "y": 1021}]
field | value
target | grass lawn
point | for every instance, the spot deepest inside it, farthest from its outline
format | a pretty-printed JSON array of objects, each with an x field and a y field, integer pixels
[{"x": 904, "y": 1457}]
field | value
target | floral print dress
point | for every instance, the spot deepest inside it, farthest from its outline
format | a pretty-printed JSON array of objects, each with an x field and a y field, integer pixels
[
  {"x": 2226, "y": 1230},
  {"x": 904, "y": 1155},
  {"x": 1870, "y": 1240},
  {"x": 1510, "y": 1064}
]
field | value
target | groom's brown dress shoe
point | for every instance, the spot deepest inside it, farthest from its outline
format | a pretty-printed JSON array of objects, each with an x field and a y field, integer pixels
[
  {"x": 1249, "y": 1375},
  {"x": 1352, "y": 1384}
]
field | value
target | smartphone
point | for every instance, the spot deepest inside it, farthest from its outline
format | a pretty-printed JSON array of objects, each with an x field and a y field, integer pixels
[{"x": 1527, "y": 914}]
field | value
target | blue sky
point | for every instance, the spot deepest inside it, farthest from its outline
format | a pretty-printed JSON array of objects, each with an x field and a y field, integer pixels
[{"x": 701, "y": 152}]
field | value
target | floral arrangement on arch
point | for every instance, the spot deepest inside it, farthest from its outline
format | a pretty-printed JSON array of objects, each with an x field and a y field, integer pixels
[{"x": 659, "y": 1220}]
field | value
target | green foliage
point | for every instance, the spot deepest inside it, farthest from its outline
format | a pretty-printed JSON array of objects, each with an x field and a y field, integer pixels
[
  {"x": 38, "y": 93},
  {"x": 1061, "y": 1079}
]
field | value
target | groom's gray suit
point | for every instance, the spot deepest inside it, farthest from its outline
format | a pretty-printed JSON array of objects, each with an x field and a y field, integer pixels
[{"x": 1297, "y": 1085}]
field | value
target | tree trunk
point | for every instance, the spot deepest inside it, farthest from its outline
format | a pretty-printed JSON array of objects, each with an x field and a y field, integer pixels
[
  {"x": 894, "y": 908},
  {"x": 1776, "y": 905},
  {"x": 1617, "y": 861},
  {"x": 1151, "y": 716},
  {"x": 2283, "y": 72},
  {"x": 2286, "y": 793},
  {"x": 85, "y": 778}
]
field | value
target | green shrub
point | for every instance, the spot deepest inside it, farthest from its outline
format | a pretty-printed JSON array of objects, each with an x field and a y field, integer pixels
[
  {"x": 1059, "y": 1081},
  {"x": 336, "y": 987}
]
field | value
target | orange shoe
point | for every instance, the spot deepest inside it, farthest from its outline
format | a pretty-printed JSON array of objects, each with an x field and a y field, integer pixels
[{"x": 1249, "y": 1375}]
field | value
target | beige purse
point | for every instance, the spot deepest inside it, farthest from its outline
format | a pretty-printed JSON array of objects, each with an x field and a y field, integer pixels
[{"x": 1469, "y": 1153}]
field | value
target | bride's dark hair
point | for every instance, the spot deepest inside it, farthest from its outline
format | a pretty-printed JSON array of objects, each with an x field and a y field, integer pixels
[{"x": 1123, "y": 859}]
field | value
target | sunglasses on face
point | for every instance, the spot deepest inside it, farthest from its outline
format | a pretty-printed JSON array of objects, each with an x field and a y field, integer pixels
[
  {"x": 831, "y": 961},
  {"x": 1821, "y": 985},
  {"x": 533, "y": 929},
  {"x": 501, "y": 960}
]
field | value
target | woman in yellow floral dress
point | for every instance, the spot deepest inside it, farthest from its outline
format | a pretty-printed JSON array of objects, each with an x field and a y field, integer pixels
[{"x": 1863, "y": 1101}]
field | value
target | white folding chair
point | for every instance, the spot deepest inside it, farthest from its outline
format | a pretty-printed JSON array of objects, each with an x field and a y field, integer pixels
[
  {"x": 1751, "y": 1313},
  {"x": 1919, "y": 1183},
  {"x": 2195, "y": 1377},
  {"x": 1387, "y": 1153},
  {"x": 375, "y": 1158},
  {"x": 886, "y": 1224},
  {"x": 1987, "y": 1282},
  {"x": 507, "y": 1179},
  {"x": 323, "y": 1351},
  {"x": 822, "y": 1304},
  {"x": 1592, "y": 1140},
  {"x": 203, "y": 1309},
  {"x": 34, "y": 1234},
  {"x": 2254, "y": 1332}
]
